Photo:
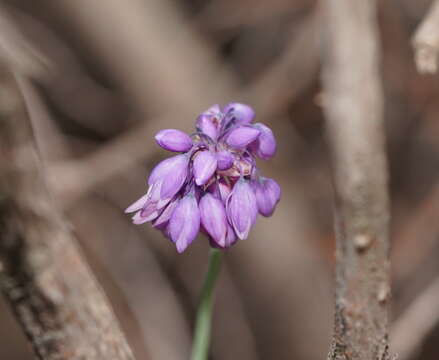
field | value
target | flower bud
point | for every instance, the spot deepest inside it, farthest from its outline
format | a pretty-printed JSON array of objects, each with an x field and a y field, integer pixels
[
  {"x": 239, "y": 113},
  {"x": 138, "y": 204},
  {"x": 231, "y": 237},
  {"x": 174, "y": 140},
  {"x": 205, "y": 164},
  {"x": 242, "y": 208},
  {"x": 213, "y": 218},
  {"x": 265, "y": 145},
  {"x": 241, "y": 136},
  {"x": 162, "y": 221},
  {"x": 184, "y": 223},
  {"x": 225, "y": 160},
  {"x": 173, "y": 173},
  {"x": 147, "y": 206},
  {"x": 267, "y": 196},
  {"x": 220, "y": 189},
  {"x": 206, "y": 125}
]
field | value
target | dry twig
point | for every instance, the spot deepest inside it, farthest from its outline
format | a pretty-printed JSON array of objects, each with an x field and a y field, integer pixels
[
  {"x": 50, "y": 288},
  {"x": 354, "y": 111},
  {"x": 411, "y": 329}
]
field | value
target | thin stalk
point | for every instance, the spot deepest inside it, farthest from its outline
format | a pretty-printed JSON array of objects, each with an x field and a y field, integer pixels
[{"x": 200, "y": 347}]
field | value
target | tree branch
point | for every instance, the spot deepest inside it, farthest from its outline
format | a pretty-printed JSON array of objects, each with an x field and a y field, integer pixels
[
  {"x": 354, "y": 111},
  {"x": 412, "y": 328},
  {"x": 50, "y": 288},
  {"x": 426, "y": 41}
]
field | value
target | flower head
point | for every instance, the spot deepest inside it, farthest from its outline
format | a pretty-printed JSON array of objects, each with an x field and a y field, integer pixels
[{"x": 213, "y": 185}]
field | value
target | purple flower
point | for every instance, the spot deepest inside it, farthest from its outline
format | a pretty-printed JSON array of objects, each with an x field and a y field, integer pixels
[
  {"x": 204, "y": 167},
  {"x": 241, "y": 136},
  {"x": 148, "y": 206},
  {"x": 172, "y": 173},
  {"x": 184, "y": 223},
  {"x": 224, "y": 159},
  {"x": 174, "y": 140},
  {"x": 214, "y": 186},
  {"x": 231, "y": 237},
  {"x": 213, "y": 218},
  {"x": 239, "y": 113},
  {"x": 206, "y": 125},
  {"x": 242, "y": 208},
  {"x": 267, "y": 195},
  {"x": 163, "y": 220},
  {"x": 265, "y": 145}
]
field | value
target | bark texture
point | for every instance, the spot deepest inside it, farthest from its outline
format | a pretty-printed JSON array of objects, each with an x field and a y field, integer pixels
[
  {"x": 50, "y": 288},
  {"x": 354, "y": 111}
]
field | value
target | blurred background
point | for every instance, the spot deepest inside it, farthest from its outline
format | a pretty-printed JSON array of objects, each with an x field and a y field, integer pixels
[{"x": 101, "y": 77}]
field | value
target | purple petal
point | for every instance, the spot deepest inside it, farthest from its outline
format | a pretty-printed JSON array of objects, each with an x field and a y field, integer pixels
[
  {"x": 220, "y": 189},
  {"x": 224, "y": 190},
  {"x": 166, "y": 214},
  {"x": 239, "y": 113},
  {"x": 138, "y": 219},
  {"x": 138, "y": 204},
  {"x": 152, "y": 196},
  {"x": 173, "y": 173},
  {"x": 213, "y": 218},
  {"x": 206, "y": 125},
  {"x": 184, "y": 223},
  {"x": 204, "y": 167},
  {"x": 241, "y": 136},
  {"x": 231, "y": 237},
  {"x": 242, "y": 208},
  {"x": 225, "y": 160},
  {"x": 265, "y": 145},
  {"x": 150, "y": 209},
  {"x": 168, "y": 166},
  {"x": 214, "y": 110},
  {"x": 149, "y": 213},
  {"x": 174, "y": 140},
  {"x": 268, "y": 194}
]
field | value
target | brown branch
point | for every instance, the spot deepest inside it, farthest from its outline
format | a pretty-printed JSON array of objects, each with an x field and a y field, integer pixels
[
  {"x": 33, "y": 50},
  {"x": 426, "y": 41},
  {"x": 354, "y": 110},
  {"x": 414, "y": 325},
  {"x": 50, "y": 288},
  {"x": 292, "y": 72}
]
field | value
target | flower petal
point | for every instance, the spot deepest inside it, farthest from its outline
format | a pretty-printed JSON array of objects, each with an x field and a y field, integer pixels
[
  {"x": 172, "y": 173},
  {"x": 231, "y": 237},
  {"x": 138, "y": 204},
  {"x": 168, "y": 166},
  {"x": 166, "y": 214},
  {"x": 242, "y": 208},
  {"x": 184, "y": 223},
  {"x": 213, "y": 218},
  {"x": 207, "y": 126},
  {"x": 241, "y": 136},
  {"x": 265, "y": 146},
  {"x": 174, "y": 140},
  {"x": 238, "y": 113},
  {"x": 225, "y": 160},
  {"x": 138, "y": 219},
  {"x": 268, "y": 194},
  {"x": 205, "y": 164}
]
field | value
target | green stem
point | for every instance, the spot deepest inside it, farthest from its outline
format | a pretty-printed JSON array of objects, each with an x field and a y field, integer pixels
[{"x": 200, "y": 347}]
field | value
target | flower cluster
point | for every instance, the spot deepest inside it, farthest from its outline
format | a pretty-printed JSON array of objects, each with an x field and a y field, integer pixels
[{"x": 213, "y": 185}]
